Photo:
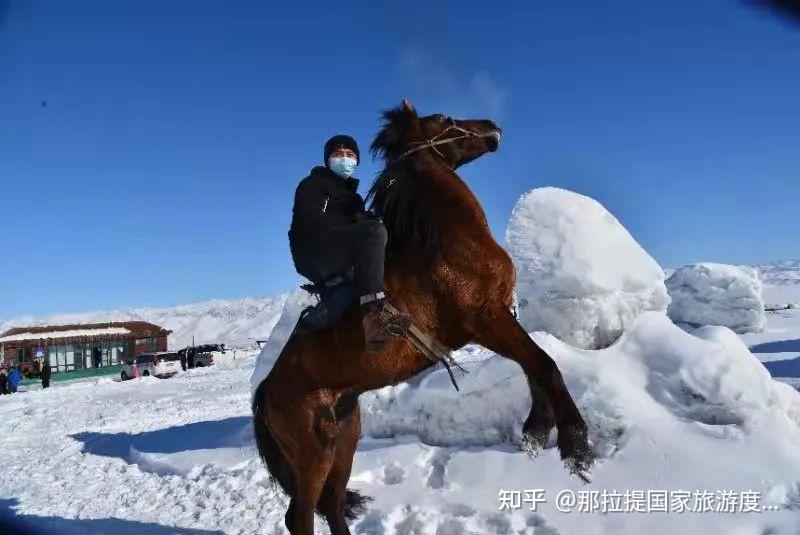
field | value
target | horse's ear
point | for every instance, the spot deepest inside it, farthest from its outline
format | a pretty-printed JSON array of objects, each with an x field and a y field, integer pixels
[{"x": 409, "y": 108}]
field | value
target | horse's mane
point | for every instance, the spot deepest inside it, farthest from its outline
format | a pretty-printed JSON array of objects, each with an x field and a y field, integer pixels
[{"x": 397, "y": 195}]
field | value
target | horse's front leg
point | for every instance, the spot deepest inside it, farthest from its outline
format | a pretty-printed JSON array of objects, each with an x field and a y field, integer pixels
[
  {"x": 540, "y": 421},
  {"x": 501, "y": 333}
]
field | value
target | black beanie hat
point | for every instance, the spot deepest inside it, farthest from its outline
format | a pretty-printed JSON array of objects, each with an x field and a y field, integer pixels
[{"x": 338, "y": 142}]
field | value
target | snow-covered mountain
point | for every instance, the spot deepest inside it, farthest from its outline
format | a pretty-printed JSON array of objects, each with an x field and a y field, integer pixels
[
  {"x": 238, "y": 322},
  {"x": 785, "y": 272},
  {"x": 245, "y": 320},
  {"x": 781, "y": 282}
]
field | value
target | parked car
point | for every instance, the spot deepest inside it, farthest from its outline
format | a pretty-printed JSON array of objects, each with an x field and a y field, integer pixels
[
  {"x": 204, "y": 355},
  {"x": 208, "y": 354},
  {"x": 162, "y": 365}
]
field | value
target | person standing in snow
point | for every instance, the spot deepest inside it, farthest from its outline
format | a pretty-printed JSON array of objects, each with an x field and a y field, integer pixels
[
  {"x": 14, "y": 378},
  {"x": 332, "y": 232},
  {"x": 3, "y": 382},
  {"x": 45, "y": 375}
]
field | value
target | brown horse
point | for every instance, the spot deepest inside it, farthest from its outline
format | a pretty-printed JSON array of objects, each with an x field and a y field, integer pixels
[{"x": 447, "y": 271}]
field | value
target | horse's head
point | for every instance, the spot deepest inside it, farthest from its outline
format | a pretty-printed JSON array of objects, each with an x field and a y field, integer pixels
[{"x": 456, "y": 141}]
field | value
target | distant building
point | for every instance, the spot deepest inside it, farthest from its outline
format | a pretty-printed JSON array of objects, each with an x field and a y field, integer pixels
[{"x": 79, "y": 347}]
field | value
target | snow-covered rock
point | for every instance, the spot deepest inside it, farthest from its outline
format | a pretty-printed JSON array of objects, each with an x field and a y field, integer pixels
[
  {"x": 717, "y": 294},
  {"x": 654, "y": 371},
  {"x": 580, "y": 275}
]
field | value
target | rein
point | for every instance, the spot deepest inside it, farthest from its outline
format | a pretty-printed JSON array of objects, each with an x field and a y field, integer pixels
[{"x": 435, "y": 141}]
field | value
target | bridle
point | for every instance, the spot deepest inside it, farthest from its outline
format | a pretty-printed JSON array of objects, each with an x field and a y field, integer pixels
[{"x": 435, "y": 141}]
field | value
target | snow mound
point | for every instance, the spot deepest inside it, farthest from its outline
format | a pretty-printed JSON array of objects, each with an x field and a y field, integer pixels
[
  {"x": 717, "y": 294},
  {"x": 295, "y": 302},
  {"x": 666, "y": 410},
  {"x": 580, "y": 275},
  {"x": 653, "y": 375}
]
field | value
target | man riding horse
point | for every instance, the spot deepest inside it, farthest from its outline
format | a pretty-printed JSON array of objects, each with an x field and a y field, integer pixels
[
  {"x": 332, "y": 234},
  {"x": 444, "y": 269}
]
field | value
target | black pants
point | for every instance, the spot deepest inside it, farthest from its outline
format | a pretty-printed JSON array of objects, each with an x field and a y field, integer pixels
[
  {"x": 45, "y": 382},
  {"x": 360, "y": 245}
]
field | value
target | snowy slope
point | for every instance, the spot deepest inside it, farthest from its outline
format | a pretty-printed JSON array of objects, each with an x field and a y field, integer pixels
[
  {"x": 242, "y": 321},
  {"x": 234, "y": 321}
]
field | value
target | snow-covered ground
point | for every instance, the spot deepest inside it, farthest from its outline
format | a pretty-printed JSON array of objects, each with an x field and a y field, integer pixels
[
  {"x": 780, "y": 338},
  {"x": 668, "y": 411}
]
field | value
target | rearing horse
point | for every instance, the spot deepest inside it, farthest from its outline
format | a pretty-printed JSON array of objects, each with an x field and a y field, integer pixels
[{"x": 447, "y": 271}]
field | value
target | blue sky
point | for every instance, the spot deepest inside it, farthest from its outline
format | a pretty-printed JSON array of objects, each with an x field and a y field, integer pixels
[{"x": 149, "y": 151}]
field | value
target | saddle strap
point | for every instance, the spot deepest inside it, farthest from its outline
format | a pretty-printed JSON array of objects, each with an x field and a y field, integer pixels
[{"x": 431, "y": 348}]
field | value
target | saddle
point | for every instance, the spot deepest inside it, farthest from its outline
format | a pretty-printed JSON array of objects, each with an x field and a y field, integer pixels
[{"x": 338, "y": 293}]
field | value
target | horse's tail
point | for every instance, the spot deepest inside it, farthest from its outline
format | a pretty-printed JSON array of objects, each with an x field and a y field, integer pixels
[
  {"x": 355, "y": 504},
  {"x": 270, "y": 452},
  {"x": 279, "y": 469}
]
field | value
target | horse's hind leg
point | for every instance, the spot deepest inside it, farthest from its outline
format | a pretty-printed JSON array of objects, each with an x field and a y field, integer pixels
[
  {"x": 333, "y": 503},
  {"x": 553, "y": 404},
  {"x": 307, "y": 434}
]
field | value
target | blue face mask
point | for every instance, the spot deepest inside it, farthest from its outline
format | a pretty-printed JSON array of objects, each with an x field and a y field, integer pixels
[{"x": 344, "y": 167}]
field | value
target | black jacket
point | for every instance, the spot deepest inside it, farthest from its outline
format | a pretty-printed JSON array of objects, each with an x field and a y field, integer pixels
[{"x": 323, "y": 200}]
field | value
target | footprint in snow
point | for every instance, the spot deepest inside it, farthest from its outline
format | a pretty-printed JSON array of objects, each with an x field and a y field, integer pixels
[
  {"x": 438, "y": 468},
  {"x": 393, "y": 474}
]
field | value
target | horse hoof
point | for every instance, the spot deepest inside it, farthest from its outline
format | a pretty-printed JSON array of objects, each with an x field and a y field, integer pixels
[
  {"x": 575, "y": 451},
  {"x": 580, "y": 468},
  {"x": 535, "y": 438}
]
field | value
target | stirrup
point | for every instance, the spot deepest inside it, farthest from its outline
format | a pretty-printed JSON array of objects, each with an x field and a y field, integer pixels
[
  {"x": 430, "y": 347},
  {"x": 394, "y": 323}
]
